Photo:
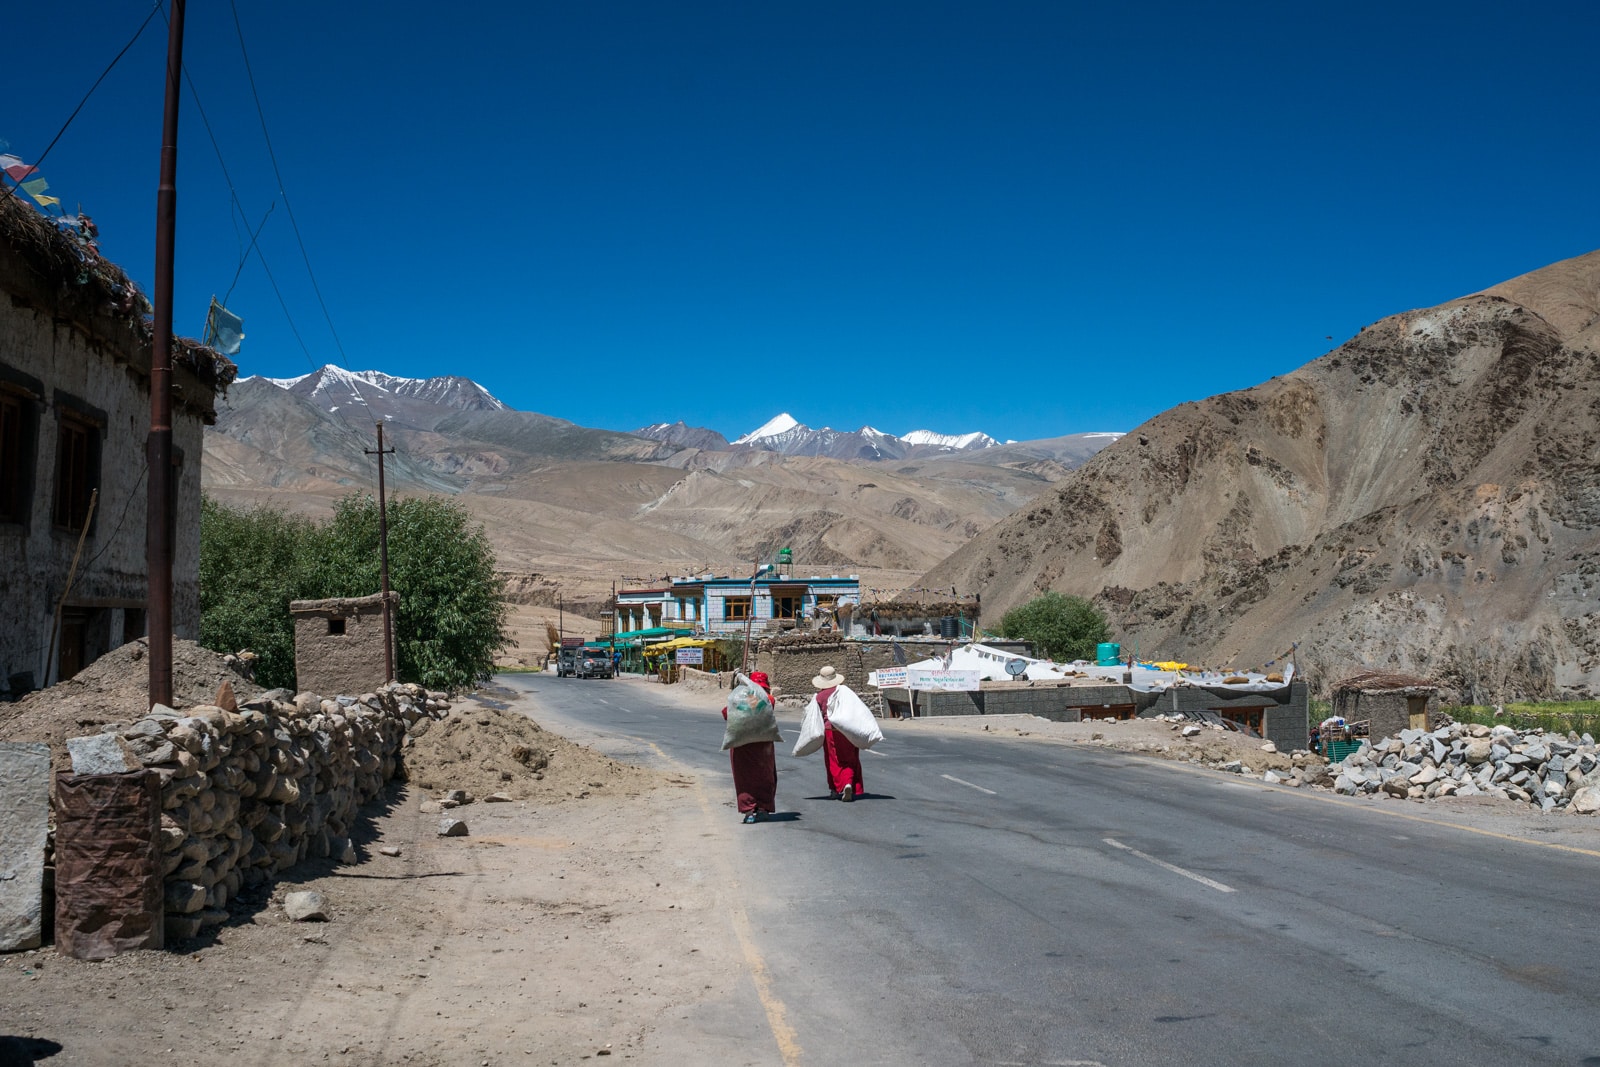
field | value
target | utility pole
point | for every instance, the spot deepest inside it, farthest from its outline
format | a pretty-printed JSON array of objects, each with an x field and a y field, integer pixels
[
  {"x": 383, "y": 559},
  {"x": 158, "y": 536}
]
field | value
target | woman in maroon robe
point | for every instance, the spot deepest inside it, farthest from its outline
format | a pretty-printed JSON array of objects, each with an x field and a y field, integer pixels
[
  {"x": 844, "y": 759},
  {"x": 755, "y": 769}
]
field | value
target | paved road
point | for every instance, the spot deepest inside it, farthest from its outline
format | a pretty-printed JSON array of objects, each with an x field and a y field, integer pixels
[{"x": 1005, "y": 902}]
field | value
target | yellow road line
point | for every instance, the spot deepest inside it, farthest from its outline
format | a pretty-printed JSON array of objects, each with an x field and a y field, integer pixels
[{"x": 777, "y": 1015}]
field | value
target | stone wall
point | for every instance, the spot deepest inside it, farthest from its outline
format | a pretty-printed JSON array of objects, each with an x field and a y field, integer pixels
[
  {"x": 249, "y": 793},
  {"x": 24, "y": 833},
  {"x": 1389, "y": 712},
  {"x": 790, "y": 668}
]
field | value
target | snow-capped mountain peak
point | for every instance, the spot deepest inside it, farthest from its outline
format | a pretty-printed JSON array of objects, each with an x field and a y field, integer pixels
[
  {"x": 954, "y": 442},
  {"x": 332, "y": 388},
  {"x": 773, "y": 427},
  {"x": 783, "y": 433}
]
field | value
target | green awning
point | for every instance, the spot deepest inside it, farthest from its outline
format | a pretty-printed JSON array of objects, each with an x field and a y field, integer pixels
[{"x": 653, "y": 631}]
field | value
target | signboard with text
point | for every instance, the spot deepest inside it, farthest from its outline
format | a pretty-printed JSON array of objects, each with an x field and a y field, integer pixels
[
  {"x": 889, "y": 678},
  {"x": 695, "y": 656},
  {"x": 946, "y": 681}
]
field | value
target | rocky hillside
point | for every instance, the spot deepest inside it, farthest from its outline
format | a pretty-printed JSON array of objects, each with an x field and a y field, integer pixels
[
  {"x": 571, "y": 509},
  {"x": 1424, "y": 498}
]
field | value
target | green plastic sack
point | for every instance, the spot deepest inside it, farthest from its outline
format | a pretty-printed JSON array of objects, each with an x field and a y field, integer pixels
[{"x": 750, "y": 716}]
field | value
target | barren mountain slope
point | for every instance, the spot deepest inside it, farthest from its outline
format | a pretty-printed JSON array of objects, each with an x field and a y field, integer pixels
[
  {"x": 570, "y": 509},
  {"x": 1426, "y": 497}
]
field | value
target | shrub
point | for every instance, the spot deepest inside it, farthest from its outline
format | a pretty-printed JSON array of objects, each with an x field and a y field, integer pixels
[
  {"x": 1060, "y": 627},
  {"x": 452, "y": 613},
  {"x": 451, "y": 618},
  {"x": 252, "y": 563}
]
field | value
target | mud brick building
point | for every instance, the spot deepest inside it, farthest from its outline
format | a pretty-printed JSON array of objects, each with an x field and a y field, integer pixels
[
  {"x": 75, "y": 354},
  {"x": 338, "y": 644}
]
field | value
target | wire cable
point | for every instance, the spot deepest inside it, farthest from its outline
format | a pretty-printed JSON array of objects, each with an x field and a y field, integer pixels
[
  {"x": 288, "y": 206},
  {"x": 137, "y": 34},
  {"x": 237, "y": 206}
]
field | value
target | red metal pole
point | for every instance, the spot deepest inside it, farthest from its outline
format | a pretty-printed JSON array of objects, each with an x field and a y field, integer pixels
[{"x": 158, "y": 447}]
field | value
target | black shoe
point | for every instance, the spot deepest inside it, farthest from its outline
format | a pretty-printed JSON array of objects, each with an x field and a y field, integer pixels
[{"x": 752, "y": 817}]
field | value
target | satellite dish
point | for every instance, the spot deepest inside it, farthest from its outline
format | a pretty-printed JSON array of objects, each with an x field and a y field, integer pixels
[{"x": 1016, "y": 667}]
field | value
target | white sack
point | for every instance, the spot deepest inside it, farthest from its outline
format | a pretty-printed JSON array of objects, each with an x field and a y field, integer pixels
[
  {"x": 810, "y": 738},
  {"x": 851, "y": 717}
]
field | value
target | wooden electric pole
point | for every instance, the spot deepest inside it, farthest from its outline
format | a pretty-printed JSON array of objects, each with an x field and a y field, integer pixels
[{"x": 383, "y": 559}]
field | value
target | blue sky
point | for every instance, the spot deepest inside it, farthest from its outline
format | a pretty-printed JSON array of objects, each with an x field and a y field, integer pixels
[{"x": 1029, "y": 219}]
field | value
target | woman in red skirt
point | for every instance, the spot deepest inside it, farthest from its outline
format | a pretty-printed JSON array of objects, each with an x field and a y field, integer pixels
[{"x": 755, "y": 769}]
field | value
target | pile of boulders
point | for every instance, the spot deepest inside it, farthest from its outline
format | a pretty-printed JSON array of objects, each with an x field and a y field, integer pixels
[
  {"x": 1552, "y": 771},
  {"x": 251, "y": 790}
]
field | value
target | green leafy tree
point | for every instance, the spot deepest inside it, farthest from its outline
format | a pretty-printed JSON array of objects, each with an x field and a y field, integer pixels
[
  {"x": 252, "y": 563},
  {"x": 1060, "y": 627},
  {"x": 452, "y": 614}
]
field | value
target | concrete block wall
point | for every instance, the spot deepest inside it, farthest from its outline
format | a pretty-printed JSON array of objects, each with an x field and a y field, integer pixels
[
  {"x": 1285, "y": 711},
  {"x": 1056, "y": 703}
]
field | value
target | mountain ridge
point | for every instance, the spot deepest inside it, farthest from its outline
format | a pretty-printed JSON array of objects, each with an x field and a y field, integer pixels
[{"x": 1424, "y": 498}]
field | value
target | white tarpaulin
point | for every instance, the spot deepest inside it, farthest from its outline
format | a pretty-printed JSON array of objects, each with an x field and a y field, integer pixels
[{"x": 990, "y": 664}]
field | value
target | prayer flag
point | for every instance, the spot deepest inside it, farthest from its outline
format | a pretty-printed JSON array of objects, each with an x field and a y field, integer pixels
[
  {"x": 15, "y": 167},
  {"x": 36, "y": 190},
  {"x": 226, "y": 329}
]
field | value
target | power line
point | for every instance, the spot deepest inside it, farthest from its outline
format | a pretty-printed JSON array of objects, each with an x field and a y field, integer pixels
[
  {"x": 254, "y": 246},
  {"x": 293, "y": 222},
  {"x": 137, "y": 34}
]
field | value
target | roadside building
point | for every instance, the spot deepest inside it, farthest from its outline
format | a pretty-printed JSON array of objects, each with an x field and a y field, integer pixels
[
  {"x": 728, "y": 605},
  {"x": 1389, "y": 702},
  {"x": 338, "y": 644},
  {"x": 75, "y": 356}
]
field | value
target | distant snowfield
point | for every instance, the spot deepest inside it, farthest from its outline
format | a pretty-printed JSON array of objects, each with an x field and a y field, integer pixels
[{"x": 774, "y": 426}]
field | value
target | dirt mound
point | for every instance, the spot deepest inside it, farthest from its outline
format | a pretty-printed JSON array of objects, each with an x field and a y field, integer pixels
[
  {"x": 485, "y": 747},
  {"x": 115, "y": 689}
]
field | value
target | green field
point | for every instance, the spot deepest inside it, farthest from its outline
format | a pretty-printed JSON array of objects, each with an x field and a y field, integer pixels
[{"x": 1577, "y": 716}]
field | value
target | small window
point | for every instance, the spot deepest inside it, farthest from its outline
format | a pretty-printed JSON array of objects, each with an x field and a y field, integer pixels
[
  {"x": 336, "y": 626},
  {"x": 77, "y": 470},
  {"x": 736, "y": 607}
]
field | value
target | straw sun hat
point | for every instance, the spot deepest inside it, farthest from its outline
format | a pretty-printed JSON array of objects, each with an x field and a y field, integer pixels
[{"x": 827, "y": 679}]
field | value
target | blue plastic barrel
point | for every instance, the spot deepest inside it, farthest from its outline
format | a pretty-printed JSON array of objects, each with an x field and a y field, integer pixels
[{"x": 1108, "y": 654}]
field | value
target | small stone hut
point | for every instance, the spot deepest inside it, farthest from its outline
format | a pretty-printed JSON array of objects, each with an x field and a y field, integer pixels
[
  {"x": 1390, "y": 702},
  {"x": 338, "y": 644}
]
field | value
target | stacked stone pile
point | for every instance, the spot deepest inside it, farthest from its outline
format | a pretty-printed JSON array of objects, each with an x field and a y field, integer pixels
[
  {"x": 251, "y": 791},
  {"x": 1552, "y": 771}
]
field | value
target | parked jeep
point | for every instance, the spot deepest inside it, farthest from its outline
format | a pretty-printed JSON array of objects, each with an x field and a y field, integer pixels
[{"x": 594, "y": 663}]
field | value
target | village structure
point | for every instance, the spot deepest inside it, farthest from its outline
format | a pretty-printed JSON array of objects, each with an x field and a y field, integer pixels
[{"x": 75, "y": 353}]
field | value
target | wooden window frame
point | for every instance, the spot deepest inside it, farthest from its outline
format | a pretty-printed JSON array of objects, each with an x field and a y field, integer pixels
[
  {"x": 78, "y": 440},
  {"x": 737, "y": 608}
]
